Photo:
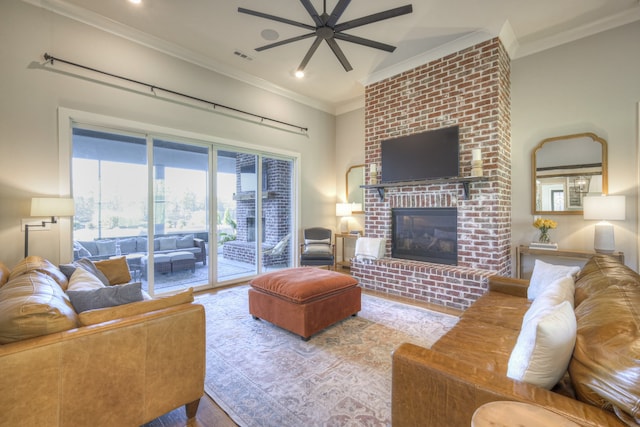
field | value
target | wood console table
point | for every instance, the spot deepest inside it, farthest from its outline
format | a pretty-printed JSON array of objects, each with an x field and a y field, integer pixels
[{"x": 562, "y": 257}]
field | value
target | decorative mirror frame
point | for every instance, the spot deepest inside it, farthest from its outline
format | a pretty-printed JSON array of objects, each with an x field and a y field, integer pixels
[
  {"x": 359, "y": 196},
  {"x": 534, "y": 175}
]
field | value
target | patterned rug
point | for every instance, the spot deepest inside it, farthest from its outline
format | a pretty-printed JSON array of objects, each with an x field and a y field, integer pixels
[{"x": 264, "y": 376}]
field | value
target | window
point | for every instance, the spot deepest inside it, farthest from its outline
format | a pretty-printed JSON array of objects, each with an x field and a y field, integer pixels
[{"x": 182, "y": 212}]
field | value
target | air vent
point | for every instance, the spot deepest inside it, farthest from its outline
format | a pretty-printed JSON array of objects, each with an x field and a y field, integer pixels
[{"x": 242, "y": 55}]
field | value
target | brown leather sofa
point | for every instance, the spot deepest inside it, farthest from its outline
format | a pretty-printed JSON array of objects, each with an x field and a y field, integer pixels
[
  {"x": 116, "y": 366},
  {"x": 466, "y": 368}
]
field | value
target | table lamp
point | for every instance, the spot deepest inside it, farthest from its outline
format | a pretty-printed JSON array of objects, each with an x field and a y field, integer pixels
[
  {"x": 46, "y": 206},
  {"x": 604, "y": 208},
  {"x": 343, "y": 210}
]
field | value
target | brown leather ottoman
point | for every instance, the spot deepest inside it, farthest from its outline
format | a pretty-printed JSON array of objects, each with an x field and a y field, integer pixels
[{"x": 304, "y": 300}]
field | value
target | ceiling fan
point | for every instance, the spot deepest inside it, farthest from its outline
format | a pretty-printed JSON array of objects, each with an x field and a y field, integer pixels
[{"x": 327, "y": 28}]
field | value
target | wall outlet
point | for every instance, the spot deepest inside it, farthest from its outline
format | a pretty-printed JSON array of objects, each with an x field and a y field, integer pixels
[{"x": 37, "y": 222}]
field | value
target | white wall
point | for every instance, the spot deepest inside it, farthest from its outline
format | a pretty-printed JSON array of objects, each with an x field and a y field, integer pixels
[
  {"x": 31, "y": 95},
  {"x": 590, "y": 85},
  {"x": 349, "y": 152}
]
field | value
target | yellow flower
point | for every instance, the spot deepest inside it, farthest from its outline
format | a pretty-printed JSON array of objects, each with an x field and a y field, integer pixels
[{"x": 544, "y": 224}]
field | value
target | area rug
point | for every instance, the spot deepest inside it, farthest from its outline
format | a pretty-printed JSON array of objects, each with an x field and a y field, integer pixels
[{"x": 264, "y": 376}]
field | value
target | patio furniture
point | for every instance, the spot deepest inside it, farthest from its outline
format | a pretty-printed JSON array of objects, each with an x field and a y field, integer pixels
[{"x": 182, "y": 260}]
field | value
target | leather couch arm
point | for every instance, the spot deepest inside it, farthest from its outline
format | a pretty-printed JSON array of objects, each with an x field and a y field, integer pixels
[
  {"x": 509, "y": 285},
  {"x": 432, "y": 389},
  {"x": 143, "y": 366}
]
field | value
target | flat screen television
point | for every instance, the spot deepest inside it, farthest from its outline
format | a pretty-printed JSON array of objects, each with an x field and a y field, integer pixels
[{"x": 426, "y": 155}]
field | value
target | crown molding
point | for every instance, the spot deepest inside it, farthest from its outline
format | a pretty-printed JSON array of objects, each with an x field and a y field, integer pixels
[
  {"x": 124, "y": 31},
  {"x": 614, "y": 21},
  {"x": 351, "y": 105}
]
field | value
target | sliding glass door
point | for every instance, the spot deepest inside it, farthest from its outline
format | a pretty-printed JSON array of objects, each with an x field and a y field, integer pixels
[
  {"x": 255, "y": 220},
  {"x": 180, "y": 216},
  {"x": 150, "y": 200}
]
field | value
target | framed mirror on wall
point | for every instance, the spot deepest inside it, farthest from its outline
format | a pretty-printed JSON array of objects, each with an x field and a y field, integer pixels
[
  {"x": 355, "y": 194},
  {"x": 565, "y": 169}
]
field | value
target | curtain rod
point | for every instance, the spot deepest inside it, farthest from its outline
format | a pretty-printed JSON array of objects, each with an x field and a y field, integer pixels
[{"x": 51, "y": 59}]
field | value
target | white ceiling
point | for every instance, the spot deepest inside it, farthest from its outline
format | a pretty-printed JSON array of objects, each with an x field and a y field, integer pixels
[{"x": 208, "y": 32}]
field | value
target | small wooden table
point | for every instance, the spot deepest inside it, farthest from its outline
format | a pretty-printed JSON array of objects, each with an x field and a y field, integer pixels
[
  {"x": 345, "y": 236},
  {"x": 517, "y": 414}
]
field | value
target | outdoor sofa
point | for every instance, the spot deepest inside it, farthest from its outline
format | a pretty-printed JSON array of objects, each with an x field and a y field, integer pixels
[{"x": 105, "y": 248}]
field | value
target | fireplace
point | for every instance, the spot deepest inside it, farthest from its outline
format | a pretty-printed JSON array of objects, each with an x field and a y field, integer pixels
[{"x": 425, "y": 234}]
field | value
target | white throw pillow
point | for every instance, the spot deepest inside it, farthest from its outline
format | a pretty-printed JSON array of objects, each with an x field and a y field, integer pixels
[
  {"x": 557, "y": 292},
  {"x": 82, "y": 280},
  {"x": 317, "y": 246},
  {"x": 544, "y": 274},
  {"x": 544, "y": 347}
]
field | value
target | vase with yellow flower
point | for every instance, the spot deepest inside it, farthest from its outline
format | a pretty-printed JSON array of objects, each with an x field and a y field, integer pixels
[{"x": 544, "y": 225}]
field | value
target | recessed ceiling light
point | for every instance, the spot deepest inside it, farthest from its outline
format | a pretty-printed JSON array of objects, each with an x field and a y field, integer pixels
[
  {"x": 299, "y": 74},
  {"x": 269, "y": 34},
  {"x": 135, "y": 1}
]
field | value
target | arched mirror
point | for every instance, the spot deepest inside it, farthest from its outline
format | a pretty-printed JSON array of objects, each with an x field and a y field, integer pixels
[
  {"x": 565, "y": 169},
  {"x": 355, "y": 194}
]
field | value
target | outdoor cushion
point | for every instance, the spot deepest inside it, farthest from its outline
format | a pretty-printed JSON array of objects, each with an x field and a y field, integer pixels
[
  {"x": 106, "y": 247},
  {"x": 127, "y": 246},
  {"x": 184, "y": 242},
  {"x": 181, "y": 255},
  {"x": 302, "y": 284}
]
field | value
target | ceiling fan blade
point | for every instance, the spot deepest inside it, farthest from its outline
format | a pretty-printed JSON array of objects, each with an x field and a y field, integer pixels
[
  {"x": 380, "y": 16},
  {"x": 313, "y": 12},
  {"x": 281, "y": 42},
  {"x": 339, "y": 54},
  {"x": 364, "y": 42},
  {"x": 276, "y": 18},
  {"x": 337, "y": 12},
  {"x": 310, "y": 53}
]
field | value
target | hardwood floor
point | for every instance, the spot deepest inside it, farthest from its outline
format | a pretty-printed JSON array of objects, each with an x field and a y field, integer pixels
[{"x": 209, "y": 415}]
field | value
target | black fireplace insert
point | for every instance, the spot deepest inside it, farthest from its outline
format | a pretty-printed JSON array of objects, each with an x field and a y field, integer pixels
[{"x": 425, "y": 234}]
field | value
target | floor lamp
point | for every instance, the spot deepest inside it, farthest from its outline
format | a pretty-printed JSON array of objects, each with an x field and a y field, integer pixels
[
  {"x": 44, "y": 206},
  {"x": 604, "y": 208}
]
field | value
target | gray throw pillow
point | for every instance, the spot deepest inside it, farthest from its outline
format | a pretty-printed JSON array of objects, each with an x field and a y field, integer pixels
[{"x": 109, "y": 296}]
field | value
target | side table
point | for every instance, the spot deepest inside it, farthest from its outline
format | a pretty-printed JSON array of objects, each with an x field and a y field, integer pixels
[
  {"x": 517, "y": 414},
  {"x": 344, "y": 237}
]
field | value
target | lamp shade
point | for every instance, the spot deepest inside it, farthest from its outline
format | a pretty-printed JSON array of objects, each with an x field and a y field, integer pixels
[
  {"x": 605, "y": 208},
  {"x": 343, "y": 209},
  {"x": 49, "y": 206}
]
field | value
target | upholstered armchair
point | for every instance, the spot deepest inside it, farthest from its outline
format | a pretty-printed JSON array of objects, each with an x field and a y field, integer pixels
[{"x": 317, "y": 249}]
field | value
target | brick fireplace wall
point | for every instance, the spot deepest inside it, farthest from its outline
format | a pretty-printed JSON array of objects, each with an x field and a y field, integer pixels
[{"x": 471, "y": 89}]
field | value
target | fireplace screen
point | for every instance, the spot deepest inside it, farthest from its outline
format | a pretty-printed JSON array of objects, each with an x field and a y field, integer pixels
[{"x": 425, "y": 234}]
